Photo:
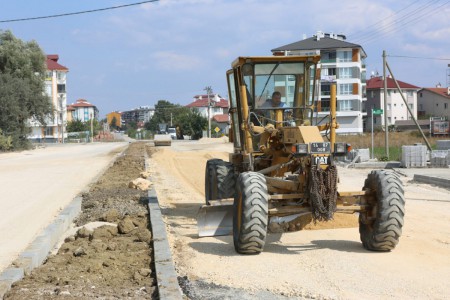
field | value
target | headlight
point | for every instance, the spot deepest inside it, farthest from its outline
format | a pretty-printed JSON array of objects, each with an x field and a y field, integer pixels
[
  {"x": 301, "y": 148},
  {"x": 340, "y": 148}
]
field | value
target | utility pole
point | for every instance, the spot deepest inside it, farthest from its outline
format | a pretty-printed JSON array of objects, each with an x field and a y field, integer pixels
[
  {"x": 92, "y": 128},
  {"x": 386, "y": 127},
  {"x": 208, "y": 90},
  {"x": 61, "y": 114}
]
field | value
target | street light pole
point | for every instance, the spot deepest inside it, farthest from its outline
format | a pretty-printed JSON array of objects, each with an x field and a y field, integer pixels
[{"x": 372, "y": 133}]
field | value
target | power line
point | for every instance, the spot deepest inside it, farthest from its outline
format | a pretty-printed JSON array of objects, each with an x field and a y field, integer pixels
[
  {"x": 418, "y": 57},
  {"x": 403, "y": 17},
  {"x": 77, "y": 13},
  {"x": 424, "y": 13}
]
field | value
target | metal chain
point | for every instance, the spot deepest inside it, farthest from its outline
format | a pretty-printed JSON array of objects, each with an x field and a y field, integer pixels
[{"x": 323, "y": 192}]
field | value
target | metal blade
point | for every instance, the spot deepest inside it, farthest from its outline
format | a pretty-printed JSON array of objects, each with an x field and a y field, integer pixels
[{"x": 215, "y": 220}]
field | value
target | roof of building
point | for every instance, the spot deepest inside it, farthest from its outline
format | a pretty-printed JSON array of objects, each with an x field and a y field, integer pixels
[
  {"x": 221, "y": 118},
  {"x": 82, "y": 103},
  {"x": 444, "y": 92},
  {"x": 322, "y": 43},
  {"x": 202, "y": 101},
  {"x": 52, "y": 63},
  {"x": 378, "y": 83}
]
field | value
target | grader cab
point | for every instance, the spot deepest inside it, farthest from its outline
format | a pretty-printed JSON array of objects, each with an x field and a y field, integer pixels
[{"x": 283, "y": 161}]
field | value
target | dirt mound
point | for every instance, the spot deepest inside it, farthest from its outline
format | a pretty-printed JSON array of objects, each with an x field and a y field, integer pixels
[{"x": 109, "y": 262}]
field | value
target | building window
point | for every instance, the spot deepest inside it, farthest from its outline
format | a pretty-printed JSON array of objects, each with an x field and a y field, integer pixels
[
  {"x": 345, "y": 89},
  {"x": 325, "y": 90},
  {"x": 410, "y": 93},
  {"x": 345, "y": 73},
  {"x": 388, "y": 107},
  {"x": 48, "y": 131},
  {"x": 445, "y": 105},
  {"x": 344, "y": 56},
  {"x": 437, "y": 104},
  {"x": 420, "y": 94},
  {"x": 61, "y": 75},
  {"x": 61, "y": 88}
]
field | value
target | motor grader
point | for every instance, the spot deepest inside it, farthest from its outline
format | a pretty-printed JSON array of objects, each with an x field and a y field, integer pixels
[{"x": 284, "y": 161}]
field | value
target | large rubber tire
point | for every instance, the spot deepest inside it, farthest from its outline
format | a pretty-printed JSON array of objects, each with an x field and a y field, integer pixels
[
  {"x": 251, "y": 213},
  {"x": 226, "y": 180},
  {"x": 211, "y": 188},
  {"x": 380, "y": 226}
]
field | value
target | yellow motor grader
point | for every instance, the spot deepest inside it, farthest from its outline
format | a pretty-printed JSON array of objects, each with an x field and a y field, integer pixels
[{"x": 283, "y": 163}]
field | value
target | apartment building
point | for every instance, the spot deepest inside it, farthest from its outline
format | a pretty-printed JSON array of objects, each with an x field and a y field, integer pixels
[
  {"x": 55, "y": 88},
  {"x": 434, "y": 102},
  {"x": 341, "y": 63},
  {"x": 396, "y": 108},
  {"x": 82, "y": 110},
  {"x": 140, "y": 115}
]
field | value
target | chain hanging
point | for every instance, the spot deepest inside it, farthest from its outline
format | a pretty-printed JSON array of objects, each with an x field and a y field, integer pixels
[{"x": 323, "y": 192}]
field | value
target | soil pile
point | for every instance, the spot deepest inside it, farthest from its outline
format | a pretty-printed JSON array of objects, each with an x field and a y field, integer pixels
[{"x": 112, "y": 261}]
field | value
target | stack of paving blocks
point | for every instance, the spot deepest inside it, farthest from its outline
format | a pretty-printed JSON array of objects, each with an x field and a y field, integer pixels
[
  {"x": 414, "y": 156},
  {"x": 440, "y": 158}
]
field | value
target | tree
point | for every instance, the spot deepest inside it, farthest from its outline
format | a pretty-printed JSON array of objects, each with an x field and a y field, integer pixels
[
  {"x": 76, "y": 126},
  {"x": 193, "y": 123},
  {"x": 114, "y": 123},
  {"x": 22, "y": 89},
  {"x": 190, "y": 121}
]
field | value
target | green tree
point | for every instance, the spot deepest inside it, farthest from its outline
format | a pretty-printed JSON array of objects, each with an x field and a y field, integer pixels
[
  {"x": 114, "y": 123},
  {"x": 22, "y": 89},
  {"x": 163, "y": 111},
  {"x": 76, "y": 126},
  {"x": 190, "y": 121}
]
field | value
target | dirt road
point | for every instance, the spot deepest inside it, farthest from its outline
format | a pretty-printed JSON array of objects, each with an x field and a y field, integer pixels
[{"x": 318, "y": 264}]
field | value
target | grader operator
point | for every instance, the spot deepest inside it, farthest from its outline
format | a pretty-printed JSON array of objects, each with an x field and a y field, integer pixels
[{"x": 283, "y": 161}]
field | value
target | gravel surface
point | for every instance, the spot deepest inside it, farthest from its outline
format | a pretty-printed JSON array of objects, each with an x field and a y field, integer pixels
[
  {"x": 326, "y": 261},
  {"x": 112, "y": 261}
]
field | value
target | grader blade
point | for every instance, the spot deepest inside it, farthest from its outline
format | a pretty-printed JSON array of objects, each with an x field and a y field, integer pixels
[{"x": 215, "y": 220}]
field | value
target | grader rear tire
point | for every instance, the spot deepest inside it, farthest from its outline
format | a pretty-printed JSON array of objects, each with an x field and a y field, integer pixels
[
  {"x": 380, "y": 226},
  {"x": 226, "y": 180},
  {"x": 251, "y": 213},
  {"x": 211, "y": 191}
]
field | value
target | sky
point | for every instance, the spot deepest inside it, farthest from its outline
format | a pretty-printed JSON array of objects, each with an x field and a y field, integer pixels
[{"x": 123, "y": 58}]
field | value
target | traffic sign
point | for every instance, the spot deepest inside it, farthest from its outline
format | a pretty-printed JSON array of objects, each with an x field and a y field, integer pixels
[
  {"x": 377, "y": 111},
  {"x": 217, "y": 129}
]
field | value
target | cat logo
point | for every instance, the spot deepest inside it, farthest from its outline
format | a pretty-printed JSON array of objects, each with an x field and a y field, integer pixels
[{"x": 321, "y": 160}]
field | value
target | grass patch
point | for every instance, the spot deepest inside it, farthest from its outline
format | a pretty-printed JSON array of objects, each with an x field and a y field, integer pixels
[{"x": 395, "y": 140}]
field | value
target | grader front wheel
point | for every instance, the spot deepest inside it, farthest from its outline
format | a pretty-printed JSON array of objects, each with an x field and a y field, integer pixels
[
  {"x": 380, "y": 226},
  {"x": 251, "y": 213}
]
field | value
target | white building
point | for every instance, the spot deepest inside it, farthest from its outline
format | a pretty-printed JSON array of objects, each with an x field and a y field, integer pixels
[
  {"x": 218, "y": 105},
  {"x": 396, "y": 108},
  {"x": 55, "y": 87},
  {"x": 82, "y": 111},
  {"x": 434, "y": 102},
  {"x": 341, "y": 63}
]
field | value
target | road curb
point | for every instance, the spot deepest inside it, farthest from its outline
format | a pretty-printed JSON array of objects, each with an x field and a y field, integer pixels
[
  {"x": 36, "y": 253},
  {"x": 166, "y": 276},
  {"x": 441, "y": 182}
]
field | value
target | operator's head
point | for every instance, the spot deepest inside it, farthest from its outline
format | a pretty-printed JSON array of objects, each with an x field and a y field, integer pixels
[{"x": 276, "y": 99}]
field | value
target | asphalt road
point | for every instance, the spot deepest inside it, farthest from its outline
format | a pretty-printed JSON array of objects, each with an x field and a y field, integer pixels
[{"x": 35, "y": 185}]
